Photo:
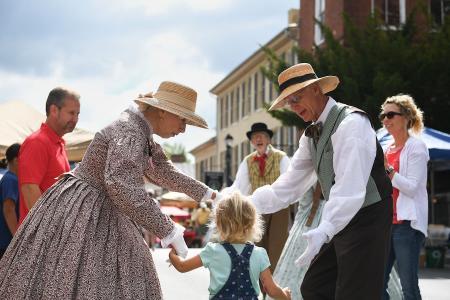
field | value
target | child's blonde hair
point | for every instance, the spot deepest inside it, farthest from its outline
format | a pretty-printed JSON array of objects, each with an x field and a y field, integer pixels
[{"x": 236, "y": 219}]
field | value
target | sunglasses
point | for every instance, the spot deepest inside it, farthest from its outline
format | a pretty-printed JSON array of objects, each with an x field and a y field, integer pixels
[{"x": 389, "y": 115}]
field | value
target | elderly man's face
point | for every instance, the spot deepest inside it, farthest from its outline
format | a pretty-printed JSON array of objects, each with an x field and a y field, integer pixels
[
  {"x": 260, "y": 141},
  {"x": 305, "y": 103}
]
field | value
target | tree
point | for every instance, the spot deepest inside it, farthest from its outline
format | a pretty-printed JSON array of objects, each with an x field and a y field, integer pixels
[
  {"x": 175, "y": 152},
  {"x": 376, "y": 61}
]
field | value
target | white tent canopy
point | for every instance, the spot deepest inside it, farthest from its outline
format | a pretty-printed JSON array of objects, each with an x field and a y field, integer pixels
[{"x": 18, "y": 120}]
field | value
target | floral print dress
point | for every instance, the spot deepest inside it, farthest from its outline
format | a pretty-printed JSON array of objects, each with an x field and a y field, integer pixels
[{"x": 81, "y": 239}]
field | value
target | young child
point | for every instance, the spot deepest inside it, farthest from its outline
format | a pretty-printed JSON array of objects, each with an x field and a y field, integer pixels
[{"x": 235, "y": 264}]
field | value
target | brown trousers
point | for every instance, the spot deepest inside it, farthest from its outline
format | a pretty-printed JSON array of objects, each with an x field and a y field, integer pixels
[{"x": 275, "y": 235}]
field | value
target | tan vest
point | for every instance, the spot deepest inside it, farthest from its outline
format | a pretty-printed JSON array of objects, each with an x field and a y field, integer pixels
[{"x": 271, "y": 171}]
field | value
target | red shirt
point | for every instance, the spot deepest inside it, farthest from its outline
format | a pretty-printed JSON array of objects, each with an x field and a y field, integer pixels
[
  {"x": 42, "y": 158},
  {"x": 393, "y": 158}
]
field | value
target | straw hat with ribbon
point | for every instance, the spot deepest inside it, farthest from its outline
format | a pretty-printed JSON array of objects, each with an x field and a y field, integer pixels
[
  {"x": 177, "y": 99},
  {"x": 298, "y": 77}
]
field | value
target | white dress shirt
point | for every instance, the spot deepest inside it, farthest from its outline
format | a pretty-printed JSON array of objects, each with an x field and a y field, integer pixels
[
  {"x": 354, "y": 151},
  {"x": 242, "y": 181}
]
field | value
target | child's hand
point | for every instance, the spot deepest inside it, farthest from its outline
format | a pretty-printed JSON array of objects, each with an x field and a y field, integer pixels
[
  {"x": 173, "y": 255},
  {"x": 287, "y": 292}
]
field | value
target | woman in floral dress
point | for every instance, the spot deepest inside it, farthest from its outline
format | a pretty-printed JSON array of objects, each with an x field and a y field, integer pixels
[{"x": 82, "y": 239}]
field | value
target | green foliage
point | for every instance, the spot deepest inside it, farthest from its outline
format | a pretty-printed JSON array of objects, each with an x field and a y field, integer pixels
[
  {"x": 376, "y": 62},
  {"x": 175, "y": 152}
]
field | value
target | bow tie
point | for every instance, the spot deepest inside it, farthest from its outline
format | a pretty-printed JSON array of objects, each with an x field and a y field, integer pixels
[
  {"x": 261, "y": 163},
  {"x": 314, "y": 130}
]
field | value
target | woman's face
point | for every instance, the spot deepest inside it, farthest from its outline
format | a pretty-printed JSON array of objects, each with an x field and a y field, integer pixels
[
  {"x": 170, "y": 125},
  {"x": 393, "y": 119}
]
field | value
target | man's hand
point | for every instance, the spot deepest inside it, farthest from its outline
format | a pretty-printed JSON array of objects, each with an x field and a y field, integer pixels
[
  {"x": 218, "y": 197},
  {"x": 315, "y": 238}
]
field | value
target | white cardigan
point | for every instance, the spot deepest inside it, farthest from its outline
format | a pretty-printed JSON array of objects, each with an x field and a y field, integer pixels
[{"x": 411, "y": 181}]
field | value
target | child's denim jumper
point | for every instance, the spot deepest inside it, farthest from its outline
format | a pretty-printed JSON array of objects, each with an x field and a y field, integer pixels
[{"x": 239, "y": 285}]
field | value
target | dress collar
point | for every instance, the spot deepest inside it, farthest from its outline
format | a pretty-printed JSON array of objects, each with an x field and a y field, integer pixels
[{"x": 139, "y": 116}]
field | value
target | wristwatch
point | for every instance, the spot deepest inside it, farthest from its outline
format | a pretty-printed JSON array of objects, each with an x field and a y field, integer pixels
[{"x": 390, "y": 170}]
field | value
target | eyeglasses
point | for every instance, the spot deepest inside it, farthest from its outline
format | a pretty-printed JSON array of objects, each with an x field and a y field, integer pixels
[
  {"x": 293, "y": 99},
  {"x": 389, "y": 115}
]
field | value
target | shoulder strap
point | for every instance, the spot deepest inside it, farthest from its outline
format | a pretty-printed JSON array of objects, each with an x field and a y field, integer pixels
[
  {"x": 248, "y": 249},
  {"x": 230, "y": 249},
  {"x": 315, "y": 204}
]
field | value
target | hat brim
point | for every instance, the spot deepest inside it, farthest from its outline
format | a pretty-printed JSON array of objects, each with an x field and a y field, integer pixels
[
  {"x": 268, "y": 131},
  {"x": 326, "y": 83},
  {"x": 191, "y": 118}
]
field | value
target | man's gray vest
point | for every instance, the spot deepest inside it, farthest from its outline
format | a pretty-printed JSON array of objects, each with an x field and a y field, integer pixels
[{"x": 378, "y": 187}]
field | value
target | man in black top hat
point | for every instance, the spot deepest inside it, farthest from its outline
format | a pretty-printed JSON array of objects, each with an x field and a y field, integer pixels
[{"x": 262, "y": 167}]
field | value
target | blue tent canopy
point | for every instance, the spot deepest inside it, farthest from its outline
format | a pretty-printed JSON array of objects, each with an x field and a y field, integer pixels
[{"x": 438, "y": 142}]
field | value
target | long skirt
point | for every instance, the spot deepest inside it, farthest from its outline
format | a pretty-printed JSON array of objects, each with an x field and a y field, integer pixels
[{"x": 75, "y": 244}]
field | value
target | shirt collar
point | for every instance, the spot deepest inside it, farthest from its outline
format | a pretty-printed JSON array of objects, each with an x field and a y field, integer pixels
[
  {"x": 323, "y": 116},
  {"x": 52, "y": 134}
]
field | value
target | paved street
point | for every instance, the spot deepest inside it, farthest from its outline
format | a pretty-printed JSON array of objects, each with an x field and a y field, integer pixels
[{"x": 434, "y": 283}]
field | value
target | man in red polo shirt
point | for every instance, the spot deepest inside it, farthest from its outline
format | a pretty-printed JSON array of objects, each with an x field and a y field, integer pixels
[{"x": 42, "y": 156}]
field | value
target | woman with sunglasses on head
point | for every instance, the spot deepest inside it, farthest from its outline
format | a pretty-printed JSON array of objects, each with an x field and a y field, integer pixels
[{"x": 406, "y": 164}]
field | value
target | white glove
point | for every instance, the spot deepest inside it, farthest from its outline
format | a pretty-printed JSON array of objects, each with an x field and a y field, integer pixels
[
  {"x": 180, "y": 246},
  {"x": 315, "y": 238},
  {"x": 218, "y": 198}
]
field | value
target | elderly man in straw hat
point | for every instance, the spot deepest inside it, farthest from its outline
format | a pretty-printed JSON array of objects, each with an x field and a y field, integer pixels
[
  {"x": 80, "y": 241},
  {"x": 348, "y": 250},
  {"x": 261, "y": 167}
]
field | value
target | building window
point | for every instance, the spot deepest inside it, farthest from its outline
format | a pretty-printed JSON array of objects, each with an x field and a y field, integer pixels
[
  {"x": 439, "y": 10},
  {"x": 234, "y": 161},
  {"x": 243, "y": 99},
  {"x": 255, "y": 91},
  {"x": 234, "y": 105},
  {"x": 320, "y": 16},
  {"x": 243, "y": 152},
  {"x": 270, "y": 91},
  {"x": 263, "y": 88},
  {"x": 238, "y": 104},
  {"x": 225, "y": 112},
  {"x": 275, "y": 141},
  {"x": 219, "y": 113},
  {"x": 222, "y": 161},
  {"x": 202, "y": 170},
  {"x": 249, "y": 97},
  {"x": 294, "y": 58},
  {"x": 290, "y": 141},
  {"x": 229, "y": 109},
  {"x": 392, "y": 12}
]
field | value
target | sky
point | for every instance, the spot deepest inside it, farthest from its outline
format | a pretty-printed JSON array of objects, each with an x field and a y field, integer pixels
[{"x": 110, "y": 51}]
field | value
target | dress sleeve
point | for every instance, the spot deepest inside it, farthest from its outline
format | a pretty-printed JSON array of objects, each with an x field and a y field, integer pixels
[
  {"x": 162, "y": 172},
  {"x": 125, "y": 185}
]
